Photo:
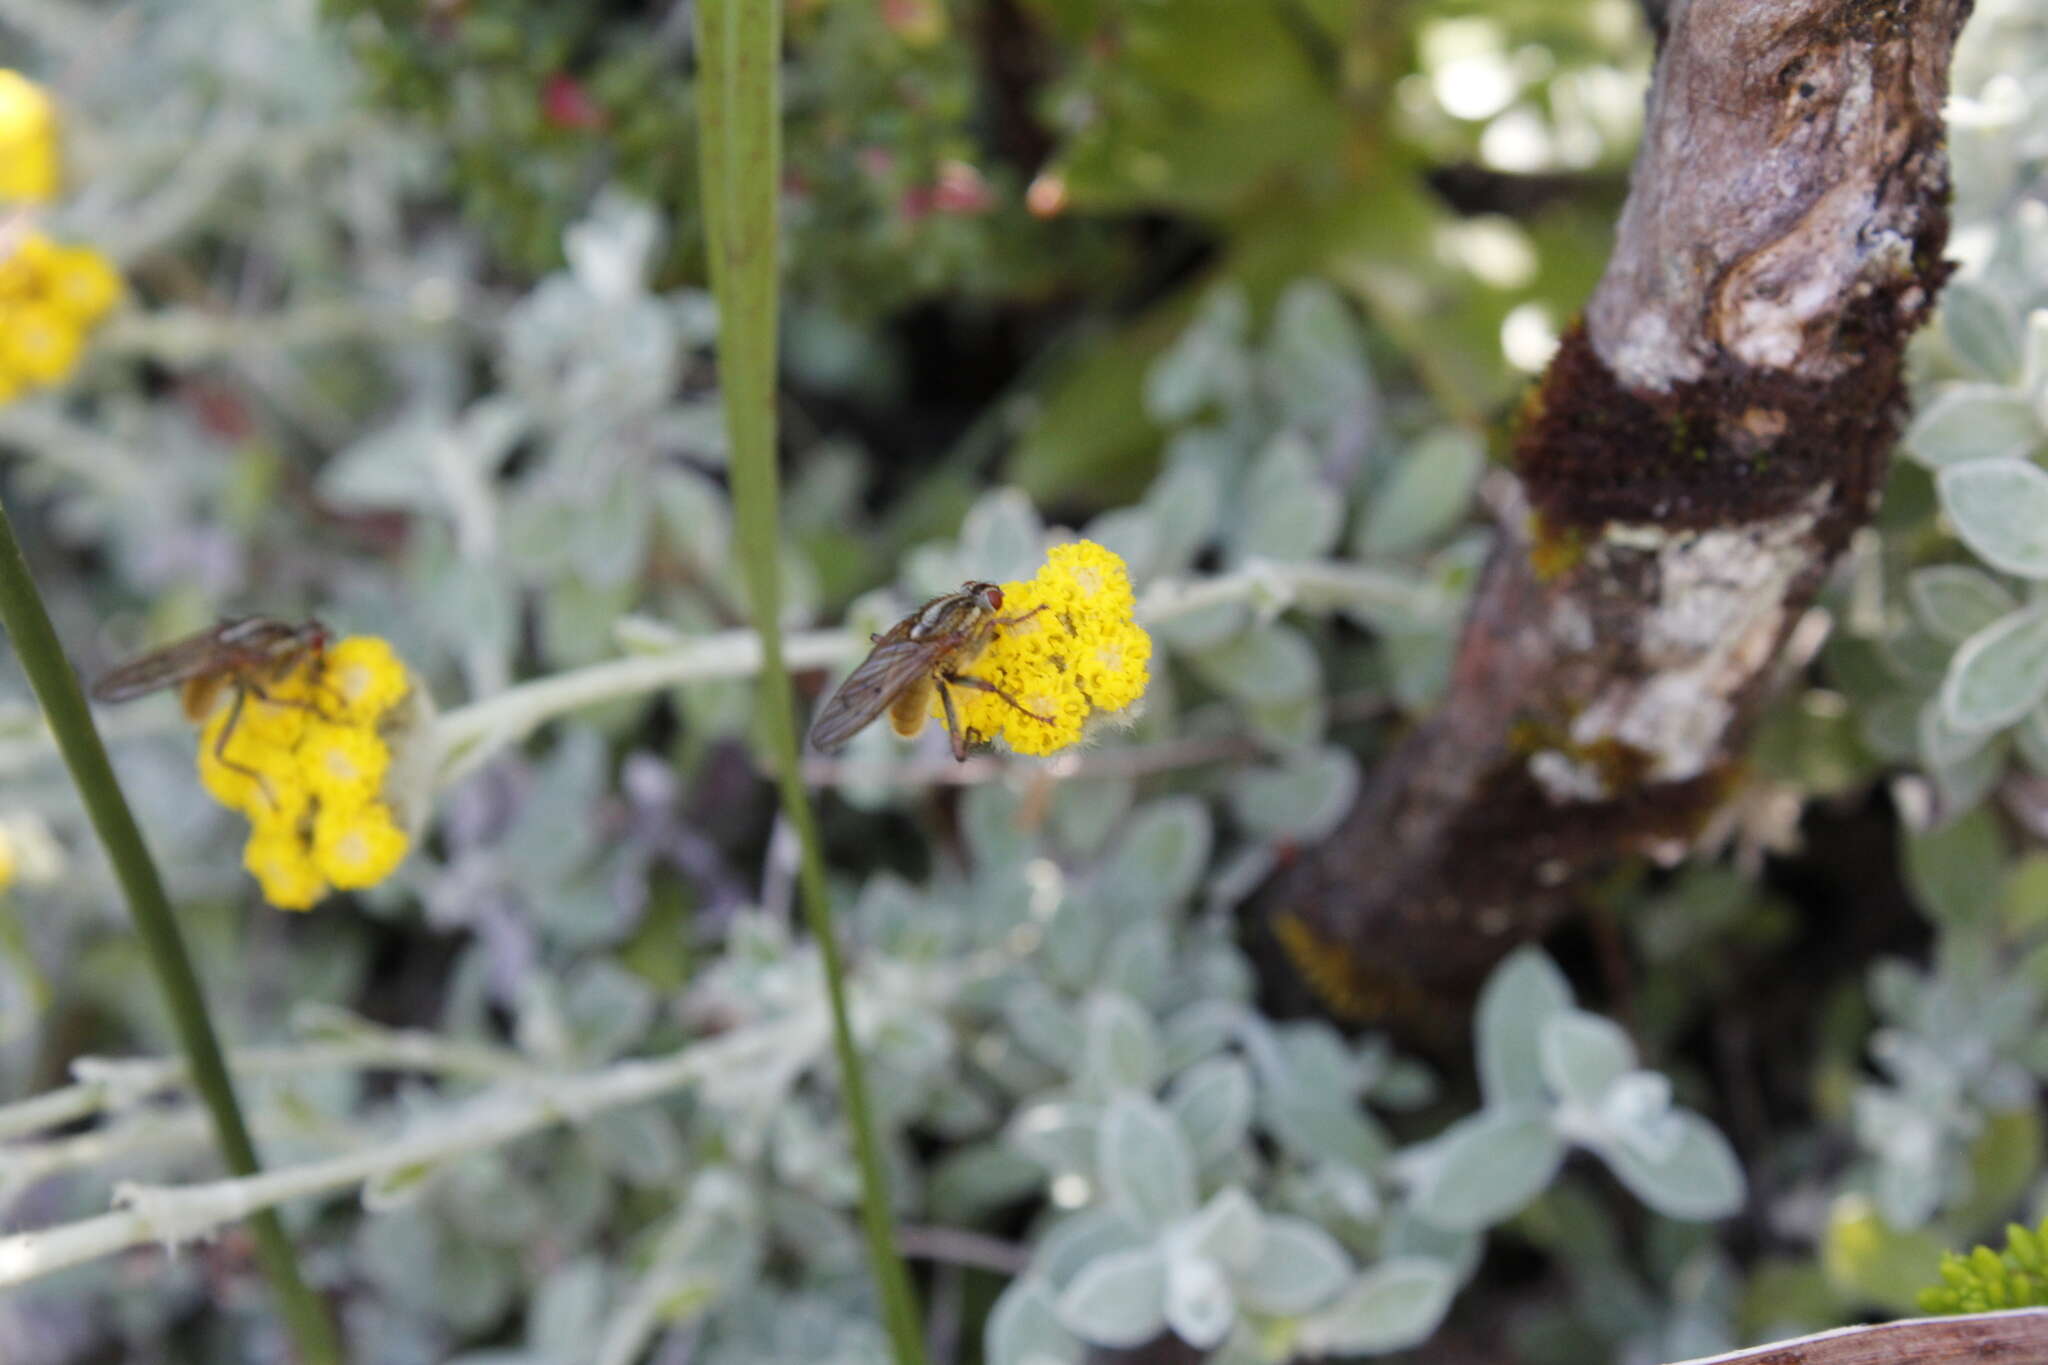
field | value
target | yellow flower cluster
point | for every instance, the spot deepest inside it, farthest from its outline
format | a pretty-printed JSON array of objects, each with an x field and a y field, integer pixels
[
  {"x": 1080, "y": 651},
  {"x": 50, "y": 296},
  {"x": 307, "y": 767},
  {"x": 28, "y": 141}
]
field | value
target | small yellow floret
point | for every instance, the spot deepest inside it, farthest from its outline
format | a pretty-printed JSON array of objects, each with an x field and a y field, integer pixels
[
  {"x": 37, "y": 342},
  {"x": 28, "y": 141},
  {"x": 1075, "y": 650},
  {"x": 364, "y": 678},
  {"x": 355, "y": 847},
  {"x": 9, "y": 863},
  {"x": 343, "y": 763},
  {"x": 79, "y": 283},
  {"x": 283, "y": 866},
  {"x": 24, "y": 269},
  {"x": 255, "y": 773}
]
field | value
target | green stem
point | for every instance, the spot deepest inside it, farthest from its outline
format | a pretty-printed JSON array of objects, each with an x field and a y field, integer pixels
[
  {"x": 42, "y": 658},
  {"x": 738, "y": 46}
]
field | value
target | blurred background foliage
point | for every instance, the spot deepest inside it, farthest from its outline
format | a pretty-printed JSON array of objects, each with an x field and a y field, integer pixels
[{"x": 416, "y": 338}]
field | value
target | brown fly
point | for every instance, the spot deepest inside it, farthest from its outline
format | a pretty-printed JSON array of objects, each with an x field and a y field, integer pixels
[
  {"x": 924, "y": 652},
  {"x": 249, "y": 654}
]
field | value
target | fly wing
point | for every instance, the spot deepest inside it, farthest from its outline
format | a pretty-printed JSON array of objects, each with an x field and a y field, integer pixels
[
  {"x": 177, "y": 662},
  {"x": 895, "y": 664}
]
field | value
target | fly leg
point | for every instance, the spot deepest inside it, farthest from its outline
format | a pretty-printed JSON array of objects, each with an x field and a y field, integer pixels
[
  {"x": 984, "y": 685},
  {"x": 227, "y": 732},
  {"x": 1018, "y": 620},
  {"x": 953, "y": 730}
]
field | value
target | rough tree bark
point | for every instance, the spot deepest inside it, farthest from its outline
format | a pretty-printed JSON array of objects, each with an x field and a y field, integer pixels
[{"x": 1691, "y": 464}]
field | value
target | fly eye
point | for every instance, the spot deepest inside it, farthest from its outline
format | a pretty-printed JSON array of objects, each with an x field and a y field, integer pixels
[{"x": 994, "y": 597}]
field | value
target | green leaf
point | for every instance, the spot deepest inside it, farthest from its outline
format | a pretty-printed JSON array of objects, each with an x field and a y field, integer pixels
[
  {"x": 1297, "y": 1268},
  {"x": 1044, "y": 1023},
  {"x": 1289, "y": 511},
  {"x": 1302, "y": 799},
  {"x": 1212, "y": 1101},
  {"x": 1582, "y": 1055},
  {"x": 1024, "y": 1327},
  {"x": 1427, "y": 493},
  {"x": 1981, "y": 330},
  {"x": 1146, "y": 1169},
  {"x": 1970, "y": 422},
  {"x": 1486, "y": 1167},
  {"x": 1268, "y": 663},
  {"x": 1121, "y": 1051},
  {"x": 1226, "y": 1229},
  {"x": 1395, "y": 1305},
  {"x": 2000, "y": 509},
  {"x": 1118, "y": 1299},
  {"x": 1949, "y": 868},
  {"x": 1160, "y": 858},
  {"x": 1954, "y": 601},
  {"x": 1999, "y": 674},
  {"x": 1200, "y": 1305},
  {"x": 1314, "y": 358},
  {"x": 1695, "y": 1176},
  {"x": 1517, "y": 1001}
]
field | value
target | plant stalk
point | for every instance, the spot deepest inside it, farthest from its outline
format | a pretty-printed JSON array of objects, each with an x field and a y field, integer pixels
[
  {"x": 738, "y": 48},
  {"x": 49, "y": 673}
]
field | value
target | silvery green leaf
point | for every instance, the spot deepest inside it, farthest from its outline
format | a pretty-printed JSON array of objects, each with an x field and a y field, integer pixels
[
  {"x": 608, "y": 250},
  {"x": 1518, "y": 999},
  {"x": 1000, "y": 537},
  {"x": 1891, "y": 726},
  {"x": 639, "y": 1144},
  {"x": 1298, "y": 1267},
  {"x": 1200, "y": 1307},
  {"x": 1314, "y": 358},
  {"x": 1321, "y": 1125},
  {"x": 2000, "y": 509},
  {"x": 1185, "y": 502},
  {"x": 1426, "y": 494},
  {"x": 1942, "y": 745},
  {"x": 569, "y": 1311},
  {"x": 1074, "y": 1242},
  {"x": 1120, "y": 1050},
  {"x": 1395, "y": 1305},
  {"x": 1419, "y": 662},
  {"x": 1290, "y": 726},
  {"x": 1954, "y": 601},
  {"x": 1162, "y": 853},
  {"x": 971, "y": 1181},
  {"x": 1945, "y": 871},
  {"x": 1967, "y": 781},
  {"x": 1583, "y": 1055},
  {"x": 398, "y": 1187},
  {"x": 1118, "y": 1299},
  {"x": 992, "y": 822},
  {"x": 1965, "y": 423},
  {"x": 1059, "y": 1135},
  {"x": 1314, "y": 1053},
  {"x": 696, "y": 515},
  {"x": 1485, "y": 1168},
  {"x": 1206, "y": 363},
  {"x": 1982, "y": 330},
  {"x": 1303, "y": 798},
  {"x": 1024, "y": 1327},
  {"x": 1999, "y": 674},
  {"x": 1406, "y": 1234},
  {"x": 1201, "y": 628},
  {"x": 1132, "y": 533},
  {"x": 608, "y": 1007},
  {"x": 1198, "y": 1029},
  {"x": 1267, "y": 663},
  {"x": 1212, "y": 1100},
  {"x": 1288, "y": 511},
  {"x": 1698, "y": 1178},
  {"x": 1137, "y": 962},
  {"x": 2032, "y": 740},
  {"x": 1073, "y": 943},
  {"x": 1144, "y": 1163},
  {"x": 1044, "y": 1023},
  {"x": 1227, "y": 1229},
  {"x": 391, "y": 468},
  {"x": 1085, "y": 814}
]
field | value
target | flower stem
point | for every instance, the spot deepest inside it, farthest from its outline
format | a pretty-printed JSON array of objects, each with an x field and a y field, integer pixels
[
  {"x": 42, "y": 659},
  {"x": 738, "y": 47}
]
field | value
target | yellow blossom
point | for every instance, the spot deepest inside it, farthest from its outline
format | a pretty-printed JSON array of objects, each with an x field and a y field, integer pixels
[
  {"x": 8, "y": 860},
  {"x": 80, "y": 283},
  {"x": 28, "y": 141},
  {"x": 282, "y": 864},
  {"x": 1073, "y": 651},
  {"x": 306, "y": 763},
  {"x": 37, "y": 342},
  {"x": 357, "y": 846},
  {"x": 24, "y": 268}
]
